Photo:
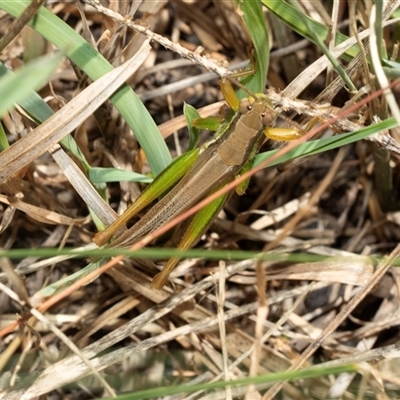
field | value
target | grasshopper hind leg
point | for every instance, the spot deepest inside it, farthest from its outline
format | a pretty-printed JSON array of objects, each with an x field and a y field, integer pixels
[{"x": 199, "y": 224}]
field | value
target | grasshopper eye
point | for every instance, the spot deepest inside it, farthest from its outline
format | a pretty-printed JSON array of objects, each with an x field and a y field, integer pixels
[
  {"x": 245, "y": 105},
  {"x": 266, "y": 117}
]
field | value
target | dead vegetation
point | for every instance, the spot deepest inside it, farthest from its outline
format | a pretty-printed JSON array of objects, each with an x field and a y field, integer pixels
[{"x": 216, "y": 319}]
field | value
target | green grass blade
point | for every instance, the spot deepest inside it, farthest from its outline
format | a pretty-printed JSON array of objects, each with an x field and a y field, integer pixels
[
  {"x": 305, "y": 373},
  {"x": 253, "y": 18},
  {"x": 63, "y": 283},
  {"x": 290, "y": 16},
  {"x": 40, "y": 111},
  {"x": 190, "y": 114},
  {"x": 101, "y": 175},
  {"x": 3, "y": 139},
  {"x": 29, "y": 77},
  {"x": 324, "y": 48},
  {"x": 33, "y": 104}
]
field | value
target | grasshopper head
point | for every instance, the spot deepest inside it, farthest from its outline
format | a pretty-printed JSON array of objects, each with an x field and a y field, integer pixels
[{"x": 259, "y": 105}]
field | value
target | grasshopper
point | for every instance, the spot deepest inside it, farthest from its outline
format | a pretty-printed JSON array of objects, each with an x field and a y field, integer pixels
[{"x": 202, "y": 171}]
